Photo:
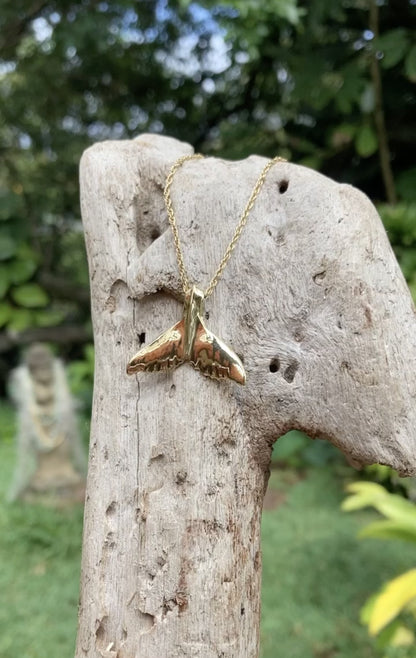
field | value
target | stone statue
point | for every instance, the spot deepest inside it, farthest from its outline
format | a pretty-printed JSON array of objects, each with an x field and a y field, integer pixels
[{"x": 50, "y": 461}]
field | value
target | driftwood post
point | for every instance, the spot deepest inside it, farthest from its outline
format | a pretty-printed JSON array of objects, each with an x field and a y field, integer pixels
[{"x": 314, "y": 302}]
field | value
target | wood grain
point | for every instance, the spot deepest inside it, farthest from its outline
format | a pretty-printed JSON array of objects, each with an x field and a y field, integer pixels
[{"x": 314, "y": 302}]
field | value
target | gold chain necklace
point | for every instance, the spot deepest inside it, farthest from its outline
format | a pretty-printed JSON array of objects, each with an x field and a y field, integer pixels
[{"x": 189, "y": 339}]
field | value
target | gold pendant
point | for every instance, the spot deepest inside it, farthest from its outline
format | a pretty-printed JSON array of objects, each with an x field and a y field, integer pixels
[{"x": 190, "y": 340}]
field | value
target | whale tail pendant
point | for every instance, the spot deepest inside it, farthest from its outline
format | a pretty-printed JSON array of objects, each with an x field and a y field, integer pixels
[{"x": 189, "y": 340}]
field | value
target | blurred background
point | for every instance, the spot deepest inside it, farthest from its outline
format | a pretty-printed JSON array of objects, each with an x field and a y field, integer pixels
[{"x": 330, "y": 85}]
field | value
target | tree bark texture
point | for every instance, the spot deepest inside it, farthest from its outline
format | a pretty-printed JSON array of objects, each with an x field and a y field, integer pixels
[{"x": 314, "y": 302}]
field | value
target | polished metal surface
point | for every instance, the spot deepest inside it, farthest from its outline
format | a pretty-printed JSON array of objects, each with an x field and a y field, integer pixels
[{"x": 189, "y": 340}]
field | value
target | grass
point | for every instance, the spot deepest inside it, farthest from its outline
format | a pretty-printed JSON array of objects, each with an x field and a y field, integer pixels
[
  {"x": 316, "y": 573},
  {"x": 39, "y": 569}
]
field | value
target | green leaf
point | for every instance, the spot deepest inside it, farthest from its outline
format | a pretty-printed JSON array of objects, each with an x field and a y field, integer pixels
[
  {"x": 402, "y": 637},
  {"x": 410, "y": 64},
  {"x": 367, "y": 609},
  {"x": 21, "y": 270},
  {"x": 367, "y": 494},
  {"x": 393, "y": 44},
  {"x": 353, "y": 84},
  {"x": 366, "y": 141},
  {"x": 395, "y": 635},
  {"x": 363, "y": 495},
  {"x": 30, "y": 295},
  {"x": 395, "y": 507},
  {"x": 391, "y": 530},
  {"x": 48, "y": 318},
  {"x": 379, "y": 472},
  {"x": 8, "y": 246},
  {"x": 6, "y": 312},
  {"x": 394, "y": 597},
  {"x": 20, "y": 319}
]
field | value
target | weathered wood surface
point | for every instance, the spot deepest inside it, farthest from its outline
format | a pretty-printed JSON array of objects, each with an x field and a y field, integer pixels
[{"x": 312, "y": 299}]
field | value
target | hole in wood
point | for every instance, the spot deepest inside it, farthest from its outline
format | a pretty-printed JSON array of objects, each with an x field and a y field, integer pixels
[
  {"x": 317, "y": 278},
  {"x": 142, "y": 338},
  {"x": 283, "y": 185},
  {"x": 274, "y": 365},
  {"x": 111, "y": 509},
  {"x": 290, "y": 371},
  {"x": 155, "y": 234}
]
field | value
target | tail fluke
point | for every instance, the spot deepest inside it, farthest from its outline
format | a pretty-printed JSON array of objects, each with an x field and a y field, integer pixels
[
  {"x": 190, "y": 340},
  {"x": 164, "y": 353},
  {"x": 214, "y": 358}
]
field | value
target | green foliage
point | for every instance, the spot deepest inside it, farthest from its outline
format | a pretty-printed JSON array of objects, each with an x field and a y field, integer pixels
[
  {"x": 30, "y": 295},
  {"x": 316, "y": 75},
  {"x": 39, "y": 568},
  {"x": 393, "y": 45},
  {"x": 391, "y": 613},
  {"x": 406, "y": 184},
  {"x": 279, "y": 76},
  {"x": 81, "y": 378},
  {"x": 396, "y": 509},
  {"x": 296, "y": 450},
  {"x": 316, "y": 575},
  {"x": 400, "y": 223},
  {"x": 23, "y": 302},
  {"x": 366, "y": 142}
]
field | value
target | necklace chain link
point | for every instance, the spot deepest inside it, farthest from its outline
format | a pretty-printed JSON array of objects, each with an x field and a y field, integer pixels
[{"x": 242, "y": 222}]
